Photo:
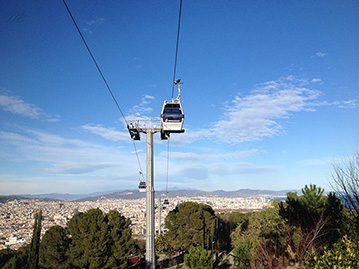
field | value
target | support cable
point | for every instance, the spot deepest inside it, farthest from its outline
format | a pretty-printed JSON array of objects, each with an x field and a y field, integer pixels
[
  {"x": 103, "y": 78},
  {"x": 173, "y": 86},
  {"x": 138, "y": 159},
  {"x": 95, "y": 62},
  {"x": 176, "y": 53}
]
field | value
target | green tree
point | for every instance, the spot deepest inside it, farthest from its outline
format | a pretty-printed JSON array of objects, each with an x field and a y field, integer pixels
[
  {"x": 198, "y": 258},
  {"x": 242, "y": 253},
  {"x": 5, "y": 256},
  {"x": 90, "y": 240},
  {"x": 318, "y": 217},
  {"x": 99, "y": 240},
  {"x": 233, "y": 220},
  {"x": 162, "y": 244},
  {"x": 122, "y": 245},
  {"x": 33, "y": 257},
  {"x": 260, "y": 236},
  {"x": 53, "y": 247},
  {"x": 18, "y": 259},
  {"x": 192, "y": 224}
]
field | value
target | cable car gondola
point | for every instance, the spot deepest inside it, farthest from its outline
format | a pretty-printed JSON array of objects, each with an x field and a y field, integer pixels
[
  {"x": 142, "y": 184},
  {"x": 172, "y": 115}
]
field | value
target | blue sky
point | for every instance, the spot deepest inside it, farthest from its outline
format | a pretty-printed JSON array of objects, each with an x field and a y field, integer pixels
[{"x": 270, "y": 93}]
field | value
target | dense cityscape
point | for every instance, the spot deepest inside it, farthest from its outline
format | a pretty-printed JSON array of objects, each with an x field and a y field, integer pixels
[{"x": 17, "y": 216}]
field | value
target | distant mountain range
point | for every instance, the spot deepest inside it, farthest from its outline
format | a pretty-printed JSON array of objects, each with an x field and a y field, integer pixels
[{"x": 134, "y": 194}]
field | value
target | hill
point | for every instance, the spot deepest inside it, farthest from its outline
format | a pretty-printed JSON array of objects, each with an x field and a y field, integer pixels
[{"x": 134, "y": 194}]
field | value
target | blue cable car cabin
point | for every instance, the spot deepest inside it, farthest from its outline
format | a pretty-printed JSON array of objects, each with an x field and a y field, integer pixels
[{"x": 172, "y": 112}]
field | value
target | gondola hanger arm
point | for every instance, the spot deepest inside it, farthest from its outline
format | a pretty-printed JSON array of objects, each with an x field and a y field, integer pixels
[{"x": 178, "y": 82}]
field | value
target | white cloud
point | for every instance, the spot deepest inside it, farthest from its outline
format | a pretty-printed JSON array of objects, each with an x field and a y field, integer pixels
[
  {"x": 90, "y": 24},
  {"x": 189, "y": 136},
  {"x": 210, "y": 156},
  {"x": 10, "y": 184},
  {"x": 321, "y": 54},
  {"x": 17, "y": 106},
  {"x": 257, "y": 115},
  {"x": 75, "y": 168},
  {"x": 97, "y": 21},
  {"x": 87, "y": 30},
  {"x": 314, "y": 80},
  {"x": 107, "y": 133},
  {"x": 348, "y": 104},
  {"x": 143, "y": 109},
  {"x": 57, "y": 155},
  {"x": 316, "y": 162},
  {"x": 201, "y": 171}
]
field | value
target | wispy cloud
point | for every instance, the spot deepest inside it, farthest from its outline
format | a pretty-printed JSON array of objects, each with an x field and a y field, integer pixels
[
  {"x": 201, "y": 171},
  {"x": 107, "y": 133},
  {"x": 75, "y": 168},
  {"x": 321, "y": 54},
  {"x": 258, "y": 115},
  {"x": 316, "y": 162},
  {"x": 92, "y": 23},
  {"x": 17, "y": 106},
  {"x": 210, "y": 156},
  {"x": 142, "y": 110},
  {"x": 57, "y": 155},
  {"x": 190, "y": 136},
  {"x": 96, "y": 21},
  {"x": 346, "y": 104}
]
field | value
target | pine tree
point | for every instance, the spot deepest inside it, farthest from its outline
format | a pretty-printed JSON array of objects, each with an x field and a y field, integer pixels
[
  {"x": 33, "y": 257},
  {"x": 53, "y": 247},
  {"x": 99, "y": 240}
]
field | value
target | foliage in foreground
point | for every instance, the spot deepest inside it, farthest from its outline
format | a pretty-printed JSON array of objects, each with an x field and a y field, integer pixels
[
  {"x": 344, "y": 254},
  {"x": 91, "y": 240},
  {"x": 198, "y": 258},
  {"x": 287, "y": 232},
  {"x": 192, "y": 224}
]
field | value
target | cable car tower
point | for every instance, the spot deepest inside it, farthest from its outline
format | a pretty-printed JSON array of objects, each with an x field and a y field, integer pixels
[{"x": 171, "y": 121}]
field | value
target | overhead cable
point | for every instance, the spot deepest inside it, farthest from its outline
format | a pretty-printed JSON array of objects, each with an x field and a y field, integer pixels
[
  {"x": 173, "y": 85},
  {"x": 176, "y": 53},
  {"x": 104, "y": 79},
  {"x": 95, "y": 62}
]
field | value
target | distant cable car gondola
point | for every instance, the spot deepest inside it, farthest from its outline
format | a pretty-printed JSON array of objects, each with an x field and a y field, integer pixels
[
  {"x": 166, "y": 202},
  {"x": 172, "y": 115},
  {"x": 142, "y": 184}
]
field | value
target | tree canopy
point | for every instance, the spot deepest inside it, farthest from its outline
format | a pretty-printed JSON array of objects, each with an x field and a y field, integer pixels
[
  {"x": 53, "y": 247},
  {"x": 192, "y": 224},
  {"x": 314, "y": 213},
  {"x": 198, "y": 258},
  {"x": 99, "y": 240}
]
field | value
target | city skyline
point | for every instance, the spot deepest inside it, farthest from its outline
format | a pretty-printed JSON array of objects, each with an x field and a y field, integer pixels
[{"x": 270, "y": 93}]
